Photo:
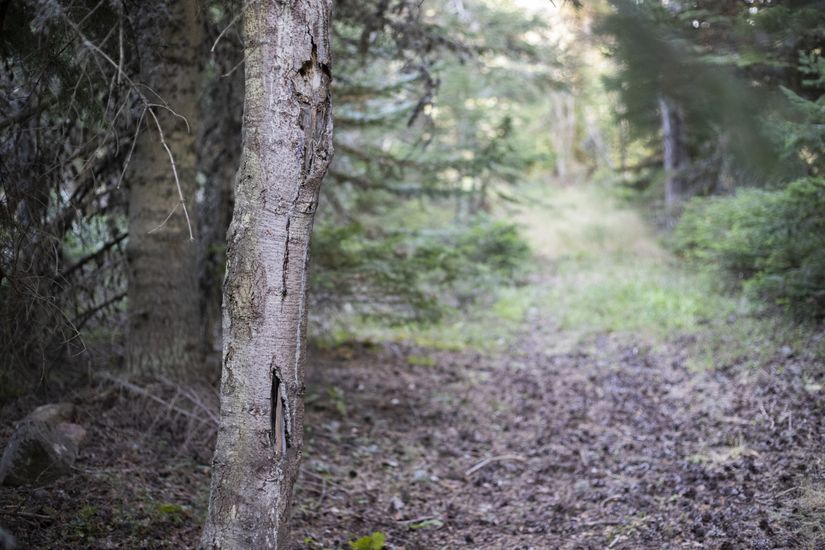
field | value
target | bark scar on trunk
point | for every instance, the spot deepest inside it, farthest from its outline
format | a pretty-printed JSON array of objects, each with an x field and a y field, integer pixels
[
  {"x": 286, "y": 260},
  {"x": 280, "y": 415}
]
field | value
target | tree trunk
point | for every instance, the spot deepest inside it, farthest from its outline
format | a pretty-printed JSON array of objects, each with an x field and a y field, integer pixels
[
  {"x": 563, "y": 126},
  {"x": 219, "y": 151},
  {"x": 164, "y": 321},
  {"x": 287, "y": 146},
  {"x": 675, "y": 155}
]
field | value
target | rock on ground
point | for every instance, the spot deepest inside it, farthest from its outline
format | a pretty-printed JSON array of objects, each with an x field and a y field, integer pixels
[{"x": 43, "y": 448}]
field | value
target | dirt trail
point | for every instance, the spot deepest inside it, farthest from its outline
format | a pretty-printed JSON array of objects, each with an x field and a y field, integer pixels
[
  {"x": 614, "y": 440},
  {"x": 611, "y": 444},
  {"x": 608, "y": 447}
]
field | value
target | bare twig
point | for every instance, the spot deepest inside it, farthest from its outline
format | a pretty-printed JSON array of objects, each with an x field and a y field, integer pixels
[
  {"x": 133, "y": 388},
  {"x": 30, "y": 112},
  {"x": 231, "y": 23},
  {"x": 97, "y": 254},
  {"x": 131, "y": 149},
  {"x": 177, "y": 181},
  {"x": 492, "y": 459},
  {"x": 164, "y": 105},
  {"x": 81, "y": 319},
  {"x": 233, "y": 69}
]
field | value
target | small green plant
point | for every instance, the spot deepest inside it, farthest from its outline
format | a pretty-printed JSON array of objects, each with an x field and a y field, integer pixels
[
  {"x": 338, "y": 400},
  {"x": 374, "y": 541},
  {"x": 421, "y": 361},
  {"x": 168, "y": 511}
]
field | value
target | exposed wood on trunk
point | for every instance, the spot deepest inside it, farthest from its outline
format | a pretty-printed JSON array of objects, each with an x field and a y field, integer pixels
[{"x": 287, "y": 146}]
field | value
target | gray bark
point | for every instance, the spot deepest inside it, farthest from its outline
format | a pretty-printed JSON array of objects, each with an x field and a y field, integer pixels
[
  {"x": 287, "y": 146},
  {"x": 164, "y": 320}
]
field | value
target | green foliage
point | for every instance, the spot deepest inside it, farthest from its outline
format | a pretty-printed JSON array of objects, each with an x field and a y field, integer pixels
[
  {"x": 772, "y": 242},
  {"x": 636, "y": 296},
  {"x": 725, "y": 232},
  {"x": 374, "y": 541},
  {"x": 339, "y": 401},
  {"x": 171, "y": 512},
  {"x": 414, "y": 274},
  {"x": 421, "y": 361},
  {"x": 733, "y": 70},
  {"x": 801, "y": 132},
  {"x": 423, "y": 147}
]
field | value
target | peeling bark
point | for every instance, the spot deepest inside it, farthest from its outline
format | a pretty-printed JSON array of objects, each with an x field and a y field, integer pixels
[{"x": 287, "y": 146}]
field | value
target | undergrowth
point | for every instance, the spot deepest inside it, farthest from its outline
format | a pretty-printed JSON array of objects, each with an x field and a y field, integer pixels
[{"x": 598, "y": 268}]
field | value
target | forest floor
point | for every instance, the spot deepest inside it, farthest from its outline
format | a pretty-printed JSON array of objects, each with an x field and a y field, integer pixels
[{"x": 613, "y": 401}]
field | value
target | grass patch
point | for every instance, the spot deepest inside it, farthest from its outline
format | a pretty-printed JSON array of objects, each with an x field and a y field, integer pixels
[
  {"x": 807, "y": 516},
  {"x": 483, "y": 328},
  {"x": 610, "y": 273},
  {"x": 642, "y": 297},
  {"x": 604, "y": 270}
]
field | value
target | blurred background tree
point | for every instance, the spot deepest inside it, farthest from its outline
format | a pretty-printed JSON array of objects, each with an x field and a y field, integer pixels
[
  {"x": 739, "y": 87},
  {"x": 435, "y": 114},
  {"x": 707, "y": 114}
]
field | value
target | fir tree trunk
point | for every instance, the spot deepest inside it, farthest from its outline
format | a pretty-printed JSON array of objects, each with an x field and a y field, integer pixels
[
  {"x": 675, "y": 155},
  {"x": 164, "y": 320},
  {"x": 287, "y": 146}
]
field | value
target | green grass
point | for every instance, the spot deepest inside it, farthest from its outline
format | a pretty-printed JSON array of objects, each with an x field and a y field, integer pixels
[
  {"x": 605, "y": 296},
  {"x": 482, "y": 329},
  {"x": 609, "y": 272}
]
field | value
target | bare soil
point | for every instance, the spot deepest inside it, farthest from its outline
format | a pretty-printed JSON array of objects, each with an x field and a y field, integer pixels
[{"x": 611, "y": 446}]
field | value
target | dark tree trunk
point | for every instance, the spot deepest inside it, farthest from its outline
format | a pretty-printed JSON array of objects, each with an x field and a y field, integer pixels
[{"x": 164, "y": 320}]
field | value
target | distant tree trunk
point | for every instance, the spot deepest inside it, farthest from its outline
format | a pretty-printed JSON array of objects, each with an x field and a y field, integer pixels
[
  {"x": 164, "y": 321},
  {"x": 215, "y": 215},
  {"x": 564, "y": 133},
  {"x": 219, "y": 150},
  {"x": 675, "y": 154},
  {"x": 287, "y": 146},
  {"x": 623, "y": 139}
]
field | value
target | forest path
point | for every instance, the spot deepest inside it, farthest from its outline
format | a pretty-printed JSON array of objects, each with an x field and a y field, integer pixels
[
  {"x": 595, "y": 427},
  {"x": 613, "y": 401}
]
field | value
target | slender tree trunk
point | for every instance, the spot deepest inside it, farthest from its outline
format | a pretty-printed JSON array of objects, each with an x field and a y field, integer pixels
[
  {"x": 164, "y": 320},
  {"x": 624, "y": 133},
  {"x": 287, "y": 146},
  {"x": 675, "y": 155},
  {"x": 564, "y": 134}
]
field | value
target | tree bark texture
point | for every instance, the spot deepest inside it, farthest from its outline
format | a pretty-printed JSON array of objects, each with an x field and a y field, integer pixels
[
  {"x": 287, "y": 146},
  {"x": 164, "y": 318}
]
